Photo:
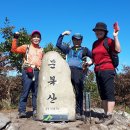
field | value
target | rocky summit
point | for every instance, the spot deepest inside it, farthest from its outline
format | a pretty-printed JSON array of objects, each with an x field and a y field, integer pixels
[{"x": 12, "y": 122}]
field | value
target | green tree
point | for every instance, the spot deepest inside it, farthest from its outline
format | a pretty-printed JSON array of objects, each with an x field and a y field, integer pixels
[
  {"x": 90, "y": 85},
  {"x": 51, "y": 47},
  {"x": 7, "y": 32}
]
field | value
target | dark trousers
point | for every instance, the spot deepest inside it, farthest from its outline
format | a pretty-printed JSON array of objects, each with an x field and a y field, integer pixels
[
  {"x": 77, "y": 82},
  {"x": 105, "y": 82},
  {"x": 28, "y": 85}
]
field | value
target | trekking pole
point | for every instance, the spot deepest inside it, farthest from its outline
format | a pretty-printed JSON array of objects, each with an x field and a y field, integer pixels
[
  {"x": 85, "y": 113},
  {"x": 88, "y": 104},
  {"x": 85, "y": 96},
  {"x": 85, "y": 104},
  {"x": 89, "y": 99}
]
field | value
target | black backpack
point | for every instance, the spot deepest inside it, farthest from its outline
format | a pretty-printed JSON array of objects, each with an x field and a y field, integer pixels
[{"x": 114, "y": 56}]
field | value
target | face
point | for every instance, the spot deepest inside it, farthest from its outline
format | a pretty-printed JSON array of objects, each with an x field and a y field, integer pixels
[
  {"x": 36, "y": 39},
  {"x": 77, "y": 42},
  {"x": 100, "y": 34}
]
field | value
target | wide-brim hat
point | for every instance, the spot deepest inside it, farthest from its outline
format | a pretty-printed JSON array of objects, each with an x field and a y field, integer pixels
[{"x": 100, "y": 26}]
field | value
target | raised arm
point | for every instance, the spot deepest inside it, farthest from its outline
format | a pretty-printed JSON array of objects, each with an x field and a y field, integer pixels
[
  {"x": 65, "y": 49},
  {"x": 15, "y": 48},
  {"x": 117, "y": 43},
  {"x": 20, "y": 49}
]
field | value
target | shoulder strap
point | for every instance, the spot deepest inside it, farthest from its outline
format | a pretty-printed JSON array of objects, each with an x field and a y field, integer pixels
[
  {"x": 106, "y": 45},
  {"x": 84, "y": 54},
  {"x": 42, "y": 50},
  {"x": 94, "y": 45},
  {"x": 27, "y": 51},
  {"x": 71, "y": 53}
]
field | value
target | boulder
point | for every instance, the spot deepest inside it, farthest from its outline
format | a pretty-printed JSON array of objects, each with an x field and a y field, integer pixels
[
  {"x": 56, "y": 97},
  {"x": 3, "y": 120}
]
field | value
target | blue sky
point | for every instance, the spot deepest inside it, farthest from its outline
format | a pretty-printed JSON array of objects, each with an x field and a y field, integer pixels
[{"x": 51, "y": 17}]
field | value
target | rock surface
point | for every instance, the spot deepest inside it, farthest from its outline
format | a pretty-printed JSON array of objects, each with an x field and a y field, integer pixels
[
  {"x": 3, "y": 120},
  {"x": 121, "y": 123}
]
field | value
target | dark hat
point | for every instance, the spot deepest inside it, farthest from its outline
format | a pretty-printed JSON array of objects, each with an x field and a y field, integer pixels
[
  {"x": 36, "y": 32},
  {"x": 100, "y": 26},
  {"x": 77, "y": 36}
]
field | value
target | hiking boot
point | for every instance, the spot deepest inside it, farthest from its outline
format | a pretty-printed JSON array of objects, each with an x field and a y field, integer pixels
[
  {"x": 22, "y": 114},
  {"x": 101, "y": 119},
  {"x": 105, "y": 120},
  {"x": 109, "y": 120},
  {"x": 80, "y": 117},
  {"x": 34, "y": 114},
  {"x": 83, "y": 118}
]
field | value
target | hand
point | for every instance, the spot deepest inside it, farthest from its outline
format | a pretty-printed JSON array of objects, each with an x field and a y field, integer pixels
[
  {"x": 16, "y": 35},
  {"x": 115, "y": 34},
  {"x": 66, "y": 33},
  {"x": 84, "y": 65}
]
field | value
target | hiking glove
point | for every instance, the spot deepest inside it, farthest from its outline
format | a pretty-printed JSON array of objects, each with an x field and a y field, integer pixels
[
  {"x": 16, "y": 35},
  {"x": 66, "y": 33}
]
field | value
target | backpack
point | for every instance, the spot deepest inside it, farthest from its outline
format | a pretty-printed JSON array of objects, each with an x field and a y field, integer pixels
[
  {"x": 114, "y": 56},
  {"x": 76, "y": 58}
]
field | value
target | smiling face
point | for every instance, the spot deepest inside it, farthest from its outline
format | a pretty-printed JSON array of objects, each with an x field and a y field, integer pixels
[
  {"x": 100, "y": 34},
  {"x": 77, "y": 42},
  {"x": 35, "y": 39}
]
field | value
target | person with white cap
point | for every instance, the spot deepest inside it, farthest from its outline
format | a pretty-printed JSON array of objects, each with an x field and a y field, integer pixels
[{"x": 33, "y": 55}]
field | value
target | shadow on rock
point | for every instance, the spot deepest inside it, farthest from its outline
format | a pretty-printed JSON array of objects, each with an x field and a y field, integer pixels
[{"x": 93, "y": 114}]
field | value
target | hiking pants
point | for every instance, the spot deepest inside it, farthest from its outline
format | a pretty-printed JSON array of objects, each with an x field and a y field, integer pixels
[
  {"x": 77, "y": 78},
  {"x": 28, "y": 85}
]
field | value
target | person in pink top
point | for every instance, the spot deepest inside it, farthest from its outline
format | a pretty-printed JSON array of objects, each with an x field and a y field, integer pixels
[{"x": 33, "y": 55}]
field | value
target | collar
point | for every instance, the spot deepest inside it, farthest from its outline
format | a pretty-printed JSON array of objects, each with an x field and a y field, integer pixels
[
  {"x": 76, "y": 48},
  {"x": 35, "y": 46}
]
